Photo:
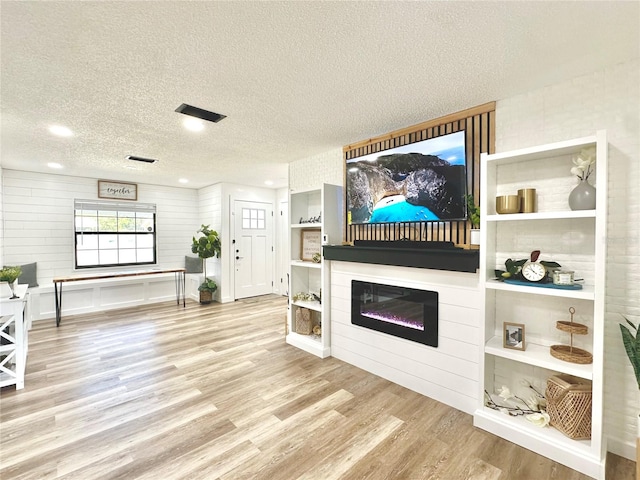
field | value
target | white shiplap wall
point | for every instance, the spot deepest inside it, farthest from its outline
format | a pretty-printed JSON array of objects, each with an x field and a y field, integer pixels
[
  {"x": 38, "y": 220},
  {"x": 448, "y": 373},
  {"x": 607, "y": 99}
]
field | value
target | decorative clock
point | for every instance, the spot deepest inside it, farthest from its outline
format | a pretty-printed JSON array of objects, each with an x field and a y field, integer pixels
[{"x": 533, "y": 270}]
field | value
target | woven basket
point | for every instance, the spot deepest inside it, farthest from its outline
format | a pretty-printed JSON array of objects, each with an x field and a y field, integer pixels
[
  {"x": 572, "y": 327},
  {"x": 569, "y": 405},
  {"x": 571, "y": 354},
  {"x": 304, "y": 325}
]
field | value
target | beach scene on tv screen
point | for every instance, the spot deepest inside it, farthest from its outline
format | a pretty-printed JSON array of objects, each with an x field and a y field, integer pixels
[{"x": 422, "y": 181}]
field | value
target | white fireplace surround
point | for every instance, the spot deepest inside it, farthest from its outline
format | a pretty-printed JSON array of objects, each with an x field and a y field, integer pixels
[{"x": 448, "y": 373}]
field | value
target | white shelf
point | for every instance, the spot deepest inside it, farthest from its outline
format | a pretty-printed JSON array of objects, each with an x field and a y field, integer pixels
[
  {"x": 509, "y": 171},
  {"x": 306, "y": 225},
  {"x": 559, "y": 215},
  {"x": 557, "y": 149},
  {"x": 539, "y": 356},
  {"x": 577, "y": 454},
  {"x": 325, "y": 203},
  {"x": 309, "y": 343},
  {"x": 587, "y": 292},
  {"x": 315, "y": 306},
  {"x": 304, "y": 264}
]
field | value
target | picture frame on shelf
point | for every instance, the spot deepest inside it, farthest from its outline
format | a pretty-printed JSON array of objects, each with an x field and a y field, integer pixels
[
  {"x": 513, "y": 336},
  {"x": 310, "y": 244}
]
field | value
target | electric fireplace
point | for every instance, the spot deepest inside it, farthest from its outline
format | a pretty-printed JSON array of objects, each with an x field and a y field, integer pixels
[{"x": 400, "y": 311}]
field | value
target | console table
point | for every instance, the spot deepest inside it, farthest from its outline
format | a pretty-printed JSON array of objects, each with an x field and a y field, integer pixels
[
  {"x": 15, "y": 323},
  {"x": 58, "y": 281}
]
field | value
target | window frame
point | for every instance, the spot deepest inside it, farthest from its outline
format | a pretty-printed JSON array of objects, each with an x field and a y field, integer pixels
[{"x": 131, "y": 209}]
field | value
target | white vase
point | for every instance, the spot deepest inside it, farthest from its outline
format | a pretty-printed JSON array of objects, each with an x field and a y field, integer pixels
[{"x": 5, "y": 290}]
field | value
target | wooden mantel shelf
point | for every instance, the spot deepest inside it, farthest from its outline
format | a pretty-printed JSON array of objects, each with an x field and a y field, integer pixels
[{"x": 452, "y": 259}]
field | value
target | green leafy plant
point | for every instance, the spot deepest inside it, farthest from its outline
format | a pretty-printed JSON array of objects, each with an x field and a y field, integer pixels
[
  {"x": 10, "y": 274},
  {"x": 473, "y": 211},
  {"x": 208, "y": 286},
  {"x": 631, "y": 343},
  {"x": 206, "y": 244}
]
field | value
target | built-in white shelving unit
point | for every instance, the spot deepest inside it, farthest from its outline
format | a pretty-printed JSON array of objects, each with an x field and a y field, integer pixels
[
  {"x": 312, "y": 277},
  {"x": 576, "y": 240},
  {"x": 14, "y": 327}
]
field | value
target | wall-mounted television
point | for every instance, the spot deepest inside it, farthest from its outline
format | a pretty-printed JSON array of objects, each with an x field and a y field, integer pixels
[{"x": 420, "y": 182}]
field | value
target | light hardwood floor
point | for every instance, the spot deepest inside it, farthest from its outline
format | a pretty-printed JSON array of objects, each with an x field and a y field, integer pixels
[{"x": 214, "y": 392}]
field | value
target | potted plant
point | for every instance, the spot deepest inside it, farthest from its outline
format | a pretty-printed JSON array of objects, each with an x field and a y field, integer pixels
[
  {"x": 631, "y": 341},
  {"x": 206, "y": 245},
  {"x": 10, "y": 275},
  {"x": 473, "y": 213}
]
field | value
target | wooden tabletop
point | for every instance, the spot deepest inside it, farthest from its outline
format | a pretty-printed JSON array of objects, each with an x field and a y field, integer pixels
[{"x": 131, "y": 273}]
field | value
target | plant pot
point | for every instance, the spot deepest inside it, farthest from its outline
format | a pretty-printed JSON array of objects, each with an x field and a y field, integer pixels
[
  {"x": 638, "y": 448},
  {"x": 206, "y": 297},
  {"x": 475, "y": 236}
]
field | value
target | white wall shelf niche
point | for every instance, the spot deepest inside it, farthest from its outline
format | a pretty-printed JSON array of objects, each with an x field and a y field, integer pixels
[
  {"x": 552, "y": 215},
  {"x": 537, "y": 355},
  {"x": 295, "y": 226},
  {"x": 575, "y": 240},
  {"x": 586, "y": 293},
  {"x": 303, "y": 264}
]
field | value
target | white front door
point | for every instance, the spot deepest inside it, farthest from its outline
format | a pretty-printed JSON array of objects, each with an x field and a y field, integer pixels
[{"x": 253, "y": 249}]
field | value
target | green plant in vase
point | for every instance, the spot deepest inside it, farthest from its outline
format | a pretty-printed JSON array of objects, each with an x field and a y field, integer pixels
[
  {"x": 206, "y": 244},
  {"x": 10, "y": 275},
  {"x": 473, "y": 213},
  {"x": 631, "y": 341}
]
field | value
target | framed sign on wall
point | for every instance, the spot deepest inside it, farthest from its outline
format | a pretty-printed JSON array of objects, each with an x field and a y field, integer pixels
[
  {"x": 310, "y": 244},
  {"x": 117, "y": 190}
]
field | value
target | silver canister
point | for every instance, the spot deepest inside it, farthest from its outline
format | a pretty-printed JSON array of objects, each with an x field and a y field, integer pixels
[{"x": 563, "y": 277}]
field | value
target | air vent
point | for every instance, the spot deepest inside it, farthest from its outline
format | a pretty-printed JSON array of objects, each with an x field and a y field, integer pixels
[
  {"x": 200, "y": 113},
  {"x": 141, "y": 159}
]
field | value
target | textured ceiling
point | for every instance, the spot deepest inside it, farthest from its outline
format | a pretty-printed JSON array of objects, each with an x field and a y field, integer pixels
[{"x": 294, "y": 78}]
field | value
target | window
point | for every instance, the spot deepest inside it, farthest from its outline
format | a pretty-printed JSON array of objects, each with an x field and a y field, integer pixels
[
  {"x": 111, "y": 234},
  {"x": 253, "y": 218}
]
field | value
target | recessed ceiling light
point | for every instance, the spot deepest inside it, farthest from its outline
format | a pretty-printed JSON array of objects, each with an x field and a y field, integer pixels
[
  {"x": 183, "y": 180},
  {"x": 200, "y": 113},
  {"x": 193, "y": 124},
  {"x": 54, "y": 165},
  {"x": 268, "y": 182},
  {"x": 60, "y": 131}
]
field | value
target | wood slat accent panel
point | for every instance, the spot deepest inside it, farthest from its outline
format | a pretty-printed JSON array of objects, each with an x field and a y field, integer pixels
[{"x": 479, "y": 125}]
